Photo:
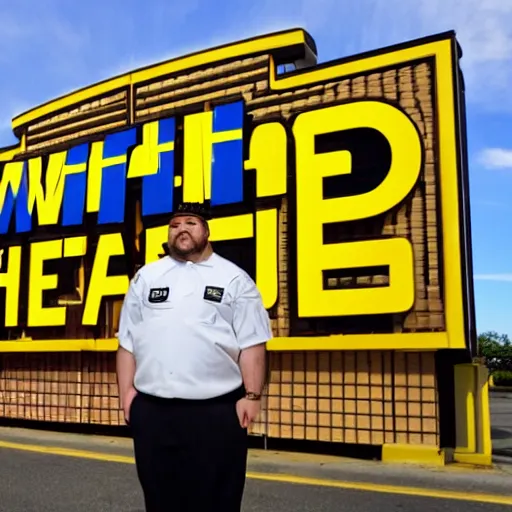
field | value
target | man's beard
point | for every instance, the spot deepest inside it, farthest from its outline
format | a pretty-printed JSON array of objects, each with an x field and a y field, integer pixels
[{"x": 196, "y": 248}]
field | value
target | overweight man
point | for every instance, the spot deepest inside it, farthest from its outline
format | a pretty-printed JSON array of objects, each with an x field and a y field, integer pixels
[{"x": 191, "y": 370}]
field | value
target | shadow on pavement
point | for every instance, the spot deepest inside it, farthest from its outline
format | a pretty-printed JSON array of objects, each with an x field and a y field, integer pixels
[
  {"x": 504, "y": 452},
  {"x": 499, "y": 433}
]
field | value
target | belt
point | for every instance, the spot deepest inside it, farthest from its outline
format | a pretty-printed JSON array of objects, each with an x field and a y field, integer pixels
[{"x": 231, "y": 397}]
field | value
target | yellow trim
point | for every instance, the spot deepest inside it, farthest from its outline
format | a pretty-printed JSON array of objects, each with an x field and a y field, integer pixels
[
  {"x": 64, "y": 345},
  {"x": 283, "y": 478},
  {"x": 408, "y": 341},
  {"x": 475, "y": 459},
  {"x": 261, "y": 44},
  {"x": 116, "y": 160},
  {"x": 413, "y": 341},
  {"x": 6, "y": 155},
  {"x": 413, "y": 454},
  {"x": 226, "y": 136},
  {"x": 166, "y": 146}
]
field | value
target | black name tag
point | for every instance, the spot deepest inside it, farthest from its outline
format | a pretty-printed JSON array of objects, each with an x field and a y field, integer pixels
[
  {"x": 213, "y": 293},
  {"x": 158, "y": 294}
]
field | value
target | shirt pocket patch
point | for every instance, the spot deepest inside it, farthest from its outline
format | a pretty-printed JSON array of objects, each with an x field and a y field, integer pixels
[
  {"x": 158, "y": 298},
  {"x": 213, "y": 294},
  {"x": 158, "y": 295}
]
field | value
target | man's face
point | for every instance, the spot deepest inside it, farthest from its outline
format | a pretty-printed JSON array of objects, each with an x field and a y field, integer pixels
[{"x": 187, "y": 235}]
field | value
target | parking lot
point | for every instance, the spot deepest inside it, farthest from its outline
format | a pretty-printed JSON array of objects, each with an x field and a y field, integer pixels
[{"x": 56, "y": 472}]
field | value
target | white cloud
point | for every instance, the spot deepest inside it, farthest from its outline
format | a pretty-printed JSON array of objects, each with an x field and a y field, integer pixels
[
  {"x": 502, "y": 278},
  {"x": 483, "y": 28},
  {"x": 484, "y": 31},
  {"x": 496, "y": 158}
]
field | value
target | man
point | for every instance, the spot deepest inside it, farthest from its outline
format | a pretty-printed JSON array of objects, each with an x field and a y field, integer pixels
[{"x": 191, "y": 370}]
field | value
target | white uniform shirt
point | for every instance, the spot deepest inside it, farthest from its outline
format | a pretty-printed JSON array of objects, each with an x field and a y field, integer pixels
[{"x": 186, "y": 324}]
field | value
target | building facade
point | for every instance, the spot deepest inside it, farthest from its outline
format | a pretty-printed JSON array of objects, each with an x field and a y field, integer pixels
[{"x": 342, "y": 188}]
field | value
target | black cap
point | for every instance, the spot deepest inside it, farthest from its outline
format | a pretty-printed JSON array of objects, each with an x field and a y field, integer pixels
[{"x": 200, "y": 210}]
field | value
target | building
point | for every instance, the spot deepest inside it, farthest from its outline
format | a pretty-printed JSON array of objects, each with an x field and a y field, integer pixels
[{"x": 342, "y": 188}]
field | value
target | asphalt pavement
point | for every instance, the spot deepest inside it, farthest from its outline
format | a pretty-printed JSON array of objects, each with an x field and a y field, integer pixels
[
  {"x": 36, "y": 482},
  {"x": 53, "y": 472},
  {"x": 501, "y": 422}
]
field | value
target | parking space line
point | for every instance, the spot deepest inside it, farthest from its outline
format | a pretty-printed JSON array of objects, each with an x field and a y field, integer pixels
[
  {"x": 388, "y": 489},
  {"x": 68, "y": 452}
]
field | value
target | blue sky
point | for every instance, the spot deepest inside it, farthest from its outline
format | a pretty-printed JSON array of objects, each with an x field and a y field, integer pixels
[{"x": 50, "y": 47}]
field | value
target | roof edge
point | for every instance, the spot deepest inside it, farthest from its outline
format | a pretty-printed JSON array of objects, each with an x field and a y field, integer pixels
[{"x": 270, "y": 42}]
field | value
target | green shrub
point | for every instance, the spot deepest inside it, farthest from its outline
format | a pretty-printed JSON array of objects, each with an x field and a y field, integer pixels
[{"x": 502, "y": 378}]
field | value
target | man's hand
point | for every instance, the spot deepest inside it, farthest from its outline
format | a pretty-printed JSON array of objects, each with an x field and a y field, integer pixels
[
  {"x": 252, "y": 365},
  {"x": 247, "y": 411},
  {"x": 125, "y": 367},
  {"x": 127, "y": 403}
]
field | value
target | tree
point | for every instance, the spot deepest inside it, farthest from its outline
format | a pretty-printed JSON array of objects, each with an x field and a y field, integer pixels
[{"x": 496, "y": 349}]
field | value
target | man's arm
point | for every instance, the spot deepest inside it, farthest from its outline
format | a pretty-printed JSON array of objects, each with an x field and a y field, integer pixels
[
  {"x": 253, "y": 364},
  {"x": 125, "y": 360},
  {"x": 252, "y": 328},
  {"x": 125, "y": 366}
]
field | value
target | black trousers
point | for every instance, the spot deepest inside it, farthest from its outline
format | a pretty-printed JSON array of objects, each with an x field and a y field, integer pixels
[{"x": 190, "y": 455}]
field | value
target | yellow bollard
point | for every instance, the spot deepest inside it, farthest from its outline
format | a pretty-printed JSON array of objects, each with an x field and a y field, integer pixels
[{"x": 473, "y": 418}]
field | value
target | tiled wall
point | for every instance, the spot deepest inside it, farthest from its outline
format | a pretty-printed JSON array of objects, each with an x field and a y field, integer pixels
[{"x": 349, "y": 397}]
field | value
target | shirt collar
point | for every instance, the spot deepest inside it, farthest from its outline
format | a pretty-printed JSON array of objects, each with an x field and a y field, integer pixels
[{"x": 205, "y": 263}]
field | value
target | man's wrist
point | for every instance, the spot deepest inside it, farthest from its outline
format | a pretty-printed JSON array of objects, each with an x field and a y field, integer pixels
[
  {"x": 250, "y": 395},
  {"x": 127, "y": 393}
]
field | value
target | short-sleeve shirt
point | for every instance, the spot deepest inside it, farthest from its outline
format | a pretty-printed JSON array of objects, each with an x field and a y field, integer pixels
[{"x": 187, "y": 323}]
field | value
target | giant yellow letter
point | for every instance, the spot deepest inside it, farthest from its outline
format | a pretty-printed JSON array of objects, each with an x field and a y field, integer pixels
[
  {"x": 313, "y": 211},
  {"x": 102, "y": 285},
  {"x": 268, "y": 148},
  {"x": 38, "y": 315},
  {"x": 10, "y": 280}
]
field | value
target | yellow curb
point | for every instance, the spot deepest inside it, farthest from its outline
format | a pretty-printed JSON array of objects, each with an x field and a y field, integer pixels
[
  {"x": 413, "y": 454},
  {"x": 477, "y": 459}
]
